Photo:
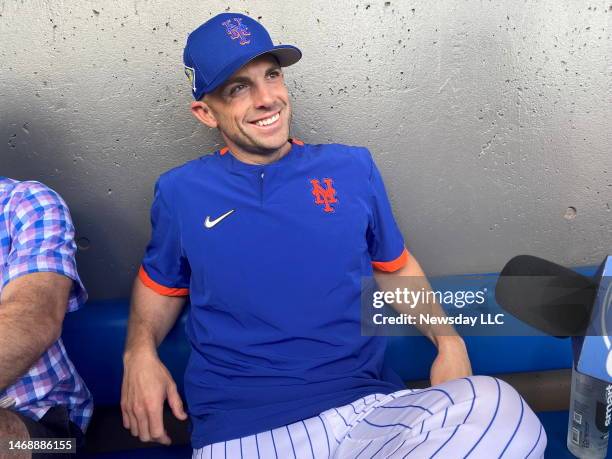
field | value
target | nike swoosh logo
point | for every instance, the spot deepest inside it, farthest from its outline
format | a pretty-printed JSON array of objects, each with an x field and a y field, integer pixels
[{"x": 208, "y": 223}]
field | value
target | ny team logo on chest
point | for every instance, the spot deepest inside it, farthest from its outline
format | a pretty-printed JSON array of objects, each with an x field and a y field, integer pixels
[
  {"x": 237, "y": 30},
  {"x": 324, "y": 195}
]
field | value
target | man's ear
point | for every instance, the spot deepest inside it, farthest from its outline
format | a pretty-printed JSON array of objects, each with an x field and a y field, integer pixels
[{"x": 201, "y": 110}]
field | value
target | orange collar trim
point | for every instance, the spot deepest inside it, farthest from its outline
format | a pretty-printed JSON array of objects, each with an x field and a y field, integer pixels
[{"x": 291, "y": 139}]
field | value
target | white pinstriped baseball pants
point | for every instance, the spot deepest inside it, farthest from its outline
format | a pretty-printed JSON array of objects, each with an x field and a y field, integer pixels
[{"x": 475, "y": 417}]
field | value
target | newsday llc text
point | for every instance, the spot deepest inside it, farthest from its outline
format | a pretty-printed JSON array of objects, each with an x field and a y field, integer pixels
[
  {"x": 430, "y": 319},
  {"x": 409, "y": 304}
]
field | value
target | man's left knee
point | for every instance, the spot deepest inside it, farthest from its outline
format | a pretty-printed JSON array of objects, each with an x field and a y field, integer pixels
[
  {"x": 498, "y": 399},
  {"x": 493, "y": 390},
  {"x": 11, "y": 427}
]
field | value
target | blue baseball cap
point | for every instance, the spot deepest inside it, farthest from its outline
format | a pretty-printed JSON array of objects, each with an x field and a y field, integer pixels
[{"x": 223, "y": 44}]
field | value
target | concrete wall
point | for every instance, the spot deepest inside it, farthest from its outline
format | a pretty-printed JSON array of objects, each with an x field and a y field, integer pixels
[{"x": 489, "y": 120}]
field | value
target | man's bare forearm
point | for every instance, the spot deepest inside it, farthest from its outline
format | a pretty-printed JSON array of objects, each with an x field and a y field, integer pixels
[
  {"x": 151, "y": 318},
  {"x": 25, "y": 334},
  {"x": 32, "y": 308},
  {"x": 452, "y": 360},
  {"x": 412, "y": 277}
]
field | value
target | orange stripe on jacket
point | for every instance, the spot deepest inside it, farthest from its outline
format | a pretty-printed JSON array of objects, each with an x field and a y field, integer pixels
[
  {"x": 158, "y": 288},
  {"x": 224, "y": 150},
  {"x": 393, "y": 265}
]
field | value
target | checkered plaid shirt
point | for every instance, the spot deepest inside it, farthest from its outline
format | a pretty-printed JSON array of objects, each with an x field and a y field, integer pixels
[{"x": 37, "y": 235}]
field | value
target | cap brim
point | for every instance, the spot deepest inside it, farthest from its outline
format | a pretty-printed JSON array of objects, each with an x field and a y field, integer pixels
[{"x": 286, "y": 54}]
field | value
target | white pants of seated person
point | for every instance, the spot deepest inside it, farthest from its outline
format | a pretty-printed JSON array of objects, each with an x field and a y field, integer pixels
[{"x": 475, "y": 417}]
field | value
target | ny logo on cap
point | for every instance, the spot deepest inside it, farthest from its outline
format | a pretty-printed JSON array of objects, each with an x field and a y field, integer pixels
[
  {"x": 237, "y": 30},
  {"x": 325, "y": 196}
]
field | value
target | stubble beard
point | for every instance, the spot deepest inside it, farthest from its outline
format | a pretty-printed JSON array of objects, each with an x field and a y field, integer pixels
[{"x": 257, "y": 148}]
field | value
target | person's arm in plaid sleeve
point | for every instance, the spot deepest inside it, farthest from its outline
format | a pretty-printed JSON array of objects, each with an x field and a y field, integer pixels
[
  {"x": 37, "y": 279},
  {"x": 32, "y": 309}
]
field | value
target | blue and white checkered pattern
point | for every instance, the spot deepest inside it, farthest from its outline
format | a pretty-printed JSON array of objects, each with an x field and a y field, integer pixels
[{"x": 37, "y": 235}]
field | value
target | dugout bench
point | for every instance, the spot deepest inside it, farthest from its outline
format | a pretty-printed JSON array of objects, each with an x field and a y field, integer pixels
[{"x": 537, "y": 366}]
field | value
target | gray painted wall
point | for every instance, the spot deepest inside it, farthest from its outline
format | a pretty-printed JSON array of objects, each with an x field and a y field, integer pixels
[{"x": 490, "y": 121}]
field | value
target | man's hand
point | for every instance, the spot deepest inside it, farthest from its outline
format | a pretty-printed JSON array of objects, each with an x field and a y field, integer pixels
[
  {"x": 147, "y": 383},
  {"x": 452, "y": 361}
]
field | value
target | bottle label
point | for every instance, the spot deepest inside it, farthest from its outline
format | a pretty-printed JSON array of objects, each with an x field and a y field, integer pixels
[{"x": 603, "y": 411}]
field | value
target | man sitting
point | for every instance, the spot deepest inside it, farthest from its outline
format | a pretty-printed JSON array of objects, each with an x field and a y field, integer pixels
[{"x": 41, "y": 394}]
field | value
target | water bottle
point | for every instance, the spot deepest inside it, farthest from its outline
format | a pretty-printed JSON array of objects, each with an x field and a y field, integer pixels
[{"x": 590, "y": 416}]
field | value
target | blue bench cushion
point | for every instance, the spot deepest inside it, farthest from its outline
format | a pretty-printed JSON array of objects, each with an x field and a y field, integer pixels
[{"x": 95, "y": 338}]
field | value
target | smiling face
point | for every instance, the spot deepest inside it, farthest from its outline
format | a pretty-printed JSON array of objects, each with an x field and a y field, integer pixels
[{"x": 251, "y": 109}]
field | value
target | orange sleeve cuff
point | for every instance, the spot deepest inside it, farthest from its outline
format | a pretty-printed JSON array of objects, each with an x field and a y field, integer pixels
[
  {"x": 393, "y": 265},
  {"x": 158, "y": 288}
]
